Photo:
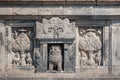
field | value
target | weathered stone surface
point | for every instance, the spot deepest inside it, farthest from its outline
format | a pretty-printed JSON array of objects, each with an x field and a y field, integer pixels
[
  {"x": 47, "y": 0},
  {"x": 115, "y": 47},
  {"x": 55, "y": 28},
  {"x": 90, "y": 46},
  {"x": 42, "y": 40},
  {"x": 57, "y": 32},
  {"x": 2, "y": 48},
  {"x": 109, "y": 0},
  {"x": 90, "y": 11},
  {"x": 60, "y": 0}
]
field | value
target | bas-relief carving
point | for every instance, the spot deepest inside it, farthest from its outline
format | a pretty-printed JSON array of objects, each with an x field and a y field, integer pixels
[
  {"x": 21, "y": 48},
  {"x": 70, "y": 57},
  {"x": 90, "y": 44},
  {"x": 2, "y": 47},
  {"x": 115, "y": 45},
  {"x": 55, "y": 28},
  {"x": 55, "y": 58}
]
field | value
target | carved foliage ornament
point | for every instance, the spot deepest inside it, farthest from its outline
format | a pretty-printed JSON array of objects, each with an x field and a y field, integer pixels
[{"x": 55, "y": 28}]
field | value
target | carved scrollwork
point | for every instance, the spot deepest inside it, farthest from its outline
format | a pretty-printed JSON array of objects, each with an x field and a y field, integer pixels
[
  {"x": 55, "y": 31},
  {"x": 55, "y": 28}
]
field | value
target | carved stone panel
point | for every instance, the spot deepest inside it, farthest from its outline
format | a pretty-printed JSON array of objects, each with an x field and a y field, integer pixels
[
  {"x": 90, "y": 46},
  {"x": 2, "y": 45},
  {"x": 55, "y": 28},
  {"x": 22, "y": 47},
  {"x": 69, "y": 57},
  {"x": 115, "y": 47},
  {"x": 115, "y": 44},
  {"x": 41, "y": 58}
]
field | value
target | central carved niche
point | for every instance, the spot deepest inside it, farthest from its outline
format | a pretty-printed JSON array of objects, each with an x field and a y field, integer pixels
[
  {"x": 58, "y": 37},
  {"x": 56, "y": 57}
]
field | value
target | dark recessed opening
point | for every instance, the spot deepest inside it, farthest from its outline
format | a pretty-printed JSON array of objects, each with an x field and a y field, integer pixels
[{"x": 55, "y": 65}]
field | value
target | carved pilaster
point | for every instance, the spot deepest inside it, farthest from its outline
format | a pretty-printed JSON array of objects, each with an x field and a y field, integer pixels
[
  {"x": 58, "y": 39},
  {"x": 2, "y": 47}
]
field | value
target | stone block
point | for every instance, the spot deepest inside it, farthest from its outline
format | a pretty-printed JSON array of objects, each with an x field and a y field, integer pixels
[
  {"x": 6, "y": 11},
  {"x": 109, "y": 0},
  {"x": 114, "y": 58},
  {"x": 34, "y": 10},
  {"x": 25, "y": 10},
  {"x": 48, "y": 0}
]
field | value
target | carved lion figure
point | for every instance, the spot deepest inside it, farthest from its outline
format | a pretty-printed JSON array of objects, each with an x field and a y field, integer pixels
[{"x": 55, "y": 58}]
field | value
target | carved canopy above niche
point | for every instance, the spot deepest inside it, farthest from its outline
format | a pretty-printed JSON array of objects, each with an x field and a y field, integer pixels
[{"x": 55, "y": 28}]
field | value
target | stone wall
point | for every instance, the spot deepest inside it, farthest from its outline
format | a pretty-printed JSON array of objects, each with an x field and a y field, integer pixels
[{"x": 44, "y": 40}]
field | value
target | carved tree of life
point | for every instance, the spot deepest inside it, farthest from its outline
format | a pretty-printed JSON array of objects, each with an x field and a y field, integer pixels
[
  {"x": 89, "y": 42},
  {"x": 21, "y": 45}
]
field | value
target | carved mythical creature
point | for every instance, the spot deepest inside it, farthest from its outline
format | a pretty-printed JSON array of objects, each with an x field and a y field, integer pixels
[
  {"x": 55, "y": 58},
  {"x": 84, "y": 58},
  {"x": 24, "y": 42},
  {"x": 98, "y": 58},
  {"x": 15, "y": 59},
  {"x": 28, "y": 59},
  {"x": 90, "y": 43}
]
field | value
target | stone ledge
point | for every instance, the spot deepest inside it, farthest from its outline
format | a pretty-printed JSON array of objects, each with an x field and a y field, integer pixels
[
  {"x": 108, "y": 1},
  {"x": 29, "y": 78},
  {"x": 46, "y": 0},
  {"x": 63, "y": 78},
  {"x": 93, "y": 11},
  {"x": 59, "y": 0},
  {"x": 62, "y": 0},
  {"x": 68, "y": 2}
]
